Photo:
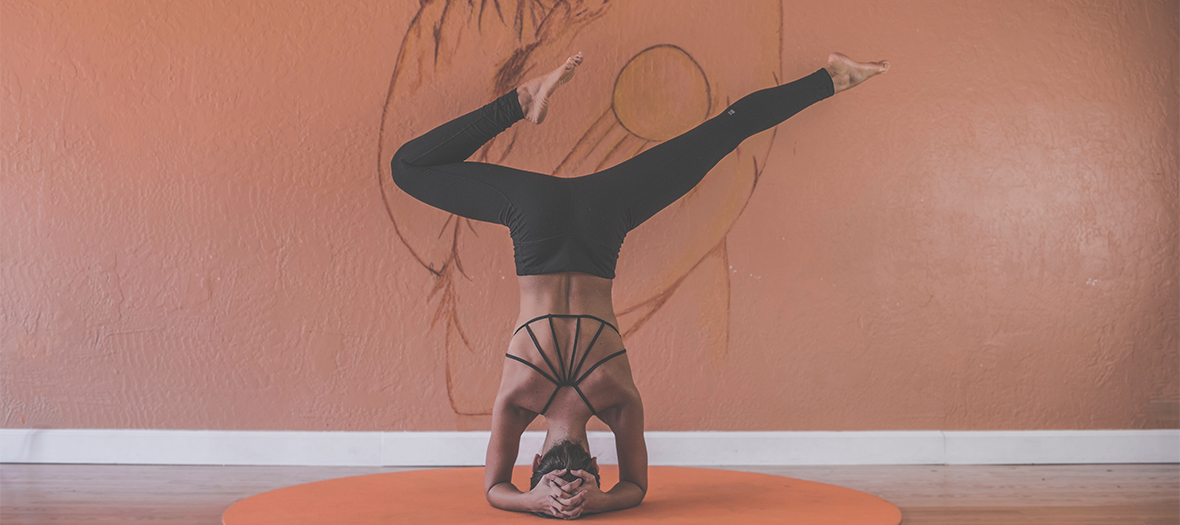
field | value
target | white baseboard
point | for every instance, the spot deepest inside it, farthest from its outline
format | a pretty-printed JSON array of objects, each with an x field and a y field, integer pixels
[{"x": 919, "y": 447}]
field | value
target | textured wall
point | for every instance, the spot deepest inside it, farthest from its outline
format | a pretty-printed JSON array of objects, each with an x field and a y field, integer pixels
[{"x": 197, "y": 232}]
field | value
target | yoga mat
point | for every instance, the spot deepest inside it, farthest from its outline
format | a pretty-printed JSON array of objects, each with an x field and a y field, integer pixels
[{"x": 455, "y": 495}]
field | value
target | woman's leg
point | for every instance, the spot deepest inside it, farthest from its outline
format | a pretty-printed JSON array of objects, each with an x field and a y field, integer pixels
[
  {"x": 431, "y": 168},
  {"x": 650, "y": 181}
]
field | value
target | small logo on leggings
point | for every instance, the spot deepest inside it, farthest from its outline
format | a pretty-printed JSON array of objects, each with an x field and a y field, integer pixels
[{"x": 731, "y": 112}]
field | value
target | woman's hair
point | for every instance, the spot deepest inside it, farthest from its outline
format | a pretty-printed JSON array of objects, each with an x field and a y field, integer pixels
[{"x": 564, "y": 455}]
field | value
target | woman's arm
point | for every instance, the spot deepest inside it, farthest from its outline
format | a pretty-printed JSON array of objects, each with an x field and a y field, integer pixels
[
  {"x": 626, "y": 422},
  {"x": 508, "y": 423},
  {"x": 632, "y": 452}
]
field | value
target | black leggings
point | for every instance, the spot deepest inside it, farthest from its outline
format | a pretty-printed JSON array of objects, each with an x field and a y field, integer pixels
[{"x": 601, "y": 207}]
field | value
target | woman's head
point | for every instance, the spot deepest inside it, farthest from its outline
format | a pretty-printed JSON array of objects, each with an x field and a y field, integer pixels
[{"x": 566, "y": 455}]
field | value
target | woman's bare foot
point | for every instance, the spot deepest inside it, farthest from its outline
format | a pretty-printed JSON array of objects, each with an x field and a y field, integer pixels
[
  {"x": 847, "y": 73},
  {"x": 534, "y": 94}
]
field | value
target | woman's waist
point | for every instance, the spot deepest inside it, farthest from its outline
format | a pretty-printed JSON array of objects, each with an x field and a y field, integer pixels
[
  {"x": 560, "y": 323},
  {"x": 565, "y": 295}
]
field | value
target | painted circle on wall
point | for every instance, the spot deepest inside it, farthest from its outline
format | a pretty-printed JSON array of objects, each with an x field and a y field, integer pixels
[{"x": 661, "y": 93}]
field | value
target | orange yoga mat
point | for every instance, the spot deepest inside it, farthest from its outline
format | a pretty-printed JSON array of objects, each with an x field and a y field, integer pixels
[{"x": 675, "y": 495}]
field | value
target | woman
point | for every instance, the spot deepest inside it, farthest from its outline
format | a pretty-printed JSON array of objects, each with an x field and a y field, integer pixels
[{"x": 566, "y": 359}]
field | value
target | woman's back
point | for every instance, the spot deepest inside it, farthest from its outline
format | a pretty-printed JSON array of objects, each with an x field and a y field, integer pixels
[{"x": 566, "y": 359}]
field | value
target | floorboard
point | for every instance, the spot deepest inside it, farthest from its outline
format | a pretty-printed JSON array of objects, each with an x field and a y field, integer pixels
[{"x": 960, "y": 494}]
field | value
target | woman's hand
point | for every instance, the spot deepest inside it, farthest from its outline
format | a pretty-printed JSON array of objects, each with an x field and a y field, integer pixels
[
  {"x": 589, "y": 500},
  {"x": 556, "y": 497}
]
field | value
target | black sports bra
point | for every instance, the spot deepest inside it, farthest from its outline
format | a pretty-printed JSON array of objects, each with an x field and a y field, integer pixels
[{"x": 564, "y": 375}]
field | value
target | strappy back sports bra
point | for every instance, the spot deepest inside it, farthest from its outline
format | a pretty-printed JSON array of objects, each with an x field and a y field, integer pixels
[{"x": 564, "y": 375}]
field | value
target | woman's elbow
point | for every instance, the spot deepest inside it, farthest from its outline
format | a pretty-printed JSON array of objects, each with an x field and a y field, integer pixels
[{"x": 496, "y": 497}]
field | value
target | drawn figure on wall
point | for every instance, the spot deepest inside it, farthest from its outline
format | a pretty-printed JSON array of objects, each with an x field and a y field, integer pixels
[{"x": 663, "y": 79}]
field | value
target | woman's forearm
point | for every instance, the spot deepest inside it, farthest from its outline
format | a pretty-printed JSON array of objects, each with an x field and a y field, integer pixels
[
  {"x": 505, "y": 496},
  {"x": 623, "y": 495}
]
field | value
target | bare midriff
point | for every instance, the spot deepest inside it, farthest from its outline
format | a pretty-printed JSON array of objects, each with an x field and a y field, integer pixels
[{"x": 565, "y": 293}]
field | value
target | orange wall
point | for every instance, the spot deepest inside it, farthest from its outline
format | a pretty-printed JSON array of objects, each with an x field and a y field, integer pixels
[{"x": 199, "y": 232}]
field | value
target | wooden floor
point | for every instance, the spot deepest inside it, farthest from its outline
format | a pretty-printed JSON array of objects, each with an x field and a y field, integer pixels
[{"x": 1058, "y": 494}]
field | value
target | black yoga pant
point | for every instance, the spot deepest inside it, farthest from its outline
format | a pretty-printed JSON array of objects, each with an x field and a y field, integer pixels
[{"x": 535, "y": 206}]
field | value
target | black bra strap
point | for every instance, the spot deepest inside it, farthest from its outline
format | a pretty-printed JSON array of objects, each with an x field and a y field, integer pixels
[
  {"x": 587, "y": 354},
  {"x": 587, "y": 401},
  {"x": 574, "y": 351},
  {"x": 557, "y": 350},
  {"x": 550, "y": 402},
  {"x": 565, "y": 316},
  {"x": 542, "y": 352},
  {"x": 598, "y": 364},
  {"x": 534, "y": 367}
]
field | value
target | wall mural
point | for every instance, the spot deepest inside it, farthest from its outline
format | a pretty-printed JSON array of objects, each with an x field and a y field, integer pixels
[{"x": 643, "y": 85}]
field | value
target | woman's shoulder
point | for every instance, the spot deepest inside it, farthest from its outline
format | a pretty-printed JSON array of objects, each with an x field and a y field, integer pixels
[
  {"x": 621, "y": 401},
  {"x": 514, "y": 401}
]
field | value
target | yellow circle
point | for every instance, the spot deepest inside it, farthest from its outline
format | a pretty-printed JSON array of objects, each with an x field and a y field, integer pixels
[{"x": 661, "y": 92}]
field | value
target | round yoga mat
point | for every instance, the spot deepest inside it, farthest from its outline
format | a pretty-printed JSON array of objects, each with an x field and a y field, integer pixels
[{"x": 455, "y": 495}]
